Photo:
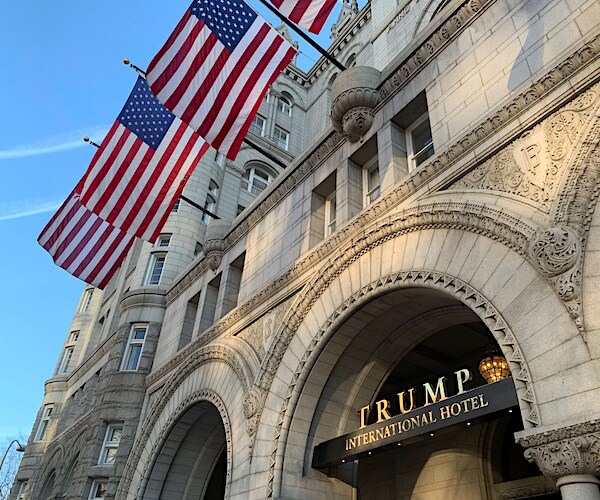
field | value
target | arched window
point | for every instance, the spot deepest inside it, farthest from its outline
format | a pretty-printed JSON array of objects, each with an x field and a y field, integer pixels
[
  {"x": 284, "y": 104},
  {"x": 256, "y": 179}
]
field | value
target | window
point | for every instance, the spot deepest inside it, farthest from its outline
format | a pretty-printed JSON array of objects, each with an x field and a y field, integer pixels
[
  {"x": 330, "y": 214},
  {"x": 155, "y": 268},
  {"x": 98, "y": 489},
  {"x": 281, "y": 138},
  {"x": 219, "y": 158},
  {"x": 284, "y": 105},
  {"x": 371, "y": 183},
  {"x": 108, "y": 454},
  {"x": 175, "y": 208},
  {"x": 46, "y": 416},
  {"x": 419, "y": 141},
  {"x": 257, "y": 126},
  {"x": 133, "y": 350},
  {"x": 74, "y": 336},
  {"x": 240, "y": 209},
  {"x": 85, "y": 302},
  {"x": 210, "y": 203},
  {"x": 21, "y": 490},
  {"x": 66, "y": 360},
  {"x": 163, "y": 240},
  {"x": 197, "y": 248},
  {"x": 256, "y": 180}
]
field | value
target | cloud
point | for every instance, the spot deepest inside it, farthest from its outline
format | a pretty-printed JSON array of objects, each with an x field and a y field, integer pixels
[
  {"x": 25, "y": 208},
  {"x": 55, "y": 144}
]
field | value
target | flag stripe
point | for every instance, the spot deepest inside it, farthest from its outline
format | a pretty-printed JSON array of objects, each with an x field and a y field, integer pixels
[
  {"x": 216, "y": 67},
  {"x": 234, "y": 142},
  {"x": 310, "y": 14},
  {"x": 245, "y": 72},
  {"x": 76, "y": 238},
  {"x": 157, "y": 218}
]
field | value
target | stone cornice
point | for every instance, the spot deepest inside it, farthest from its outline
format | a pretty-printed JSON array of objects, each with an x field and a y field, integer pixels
[{"x": 528, "y": 439}]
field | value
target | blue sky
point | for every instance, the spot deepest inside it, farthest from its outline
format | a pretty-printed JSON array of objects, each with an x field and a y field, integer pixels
[{"x": 61, "y": 78}]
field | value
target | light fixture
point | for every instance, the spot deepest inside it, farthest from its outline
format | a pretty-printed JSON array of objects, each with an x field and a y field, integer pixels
[{"x": 494, "y": 366}]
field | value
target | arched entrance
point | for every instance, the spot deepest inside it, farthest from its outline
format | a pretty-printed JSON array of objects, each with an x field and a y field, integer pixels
[
  {"x": 395, "y": 342},
  {"x": 192, "y": 461}
]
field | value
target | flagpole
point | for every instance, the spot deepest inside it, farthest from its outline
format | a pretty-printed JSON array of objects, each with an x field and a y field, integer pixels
[{"x": 306, "y": 38}]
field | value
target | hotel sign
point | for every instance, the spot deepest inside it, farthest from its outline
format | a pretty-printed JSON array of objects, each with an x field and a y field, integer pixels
[{"x": 463, "y": 407}]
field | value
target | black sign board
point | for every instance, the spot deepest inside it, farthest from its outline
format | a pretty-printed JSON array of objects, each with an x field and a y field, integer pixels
[{"x": 465, "y": 407}]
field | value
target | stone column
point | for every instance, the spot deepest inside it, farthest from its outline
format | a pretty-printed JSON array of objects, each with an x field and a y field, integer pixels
[{"x": 570, "y": 456}]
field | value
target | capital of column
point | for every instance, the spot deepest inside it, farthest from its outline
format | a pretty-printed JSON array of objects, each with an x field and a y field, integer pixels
[{"x": 567, "y": 451}]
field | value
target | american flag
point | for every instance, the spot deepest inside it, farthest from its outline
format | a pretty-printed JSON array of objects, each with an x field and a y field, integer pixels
[
  {"x": 310, "y": 14},
  {"x": 83, "y": 244},
  {"x": 141, "y": 167},
  {"x": 216, "y": 67}
]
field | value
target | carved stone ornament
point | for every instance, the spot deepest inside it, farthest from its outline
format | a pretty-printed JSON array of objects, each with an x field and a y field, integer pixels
[
  {"x": 567, "y": 451},
  {"x": 580, "y": 455},
  {"x": 355, "y": 95},
  {"x": 556, "y": 250},
  {"x": 215, "y": 244}
]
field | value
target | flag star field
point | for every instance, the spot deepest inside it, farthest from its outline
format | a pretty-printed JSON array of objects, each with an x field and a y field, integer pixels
[
  {"x": 229, "y": 20},
  {"x": 145, "y": 116}
]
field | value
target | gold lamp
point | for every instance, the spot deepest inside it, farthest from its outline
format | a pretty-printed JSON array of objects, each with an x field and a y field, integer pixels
[{"x": 494, "y": 367}]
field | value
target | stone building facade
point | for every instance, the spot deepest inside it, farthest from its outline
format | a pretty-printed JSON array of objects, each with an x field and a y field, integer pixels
[{"x": 439, "y": 204}]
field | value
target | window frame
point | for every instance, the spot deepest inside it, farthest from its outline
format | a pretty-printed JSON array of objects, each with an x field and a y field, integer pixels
[
  {"x": 284, "y": 105},
  {"x": 175, "y": 207},
  {"x": 248, "y": 183},
  {"x": 93, "y": 487},
  {"x": 44, "y": 422},
  {"x": 277, "y": 140},
  {"x": 65, "y": 360},
  {"x": 86, "y": 300},
  {"x": 262, "y": 127},
  {"x": 21, "y": 490},
  {"x": 163, "y": 240},
  {"x": 152, "y": 263},
  {"x": 133, "y": 343},
  {"x": 371, "y": 193},
  {"x": 109, "y": 444},
  {"x": 411, "y": 154},
  {"x": 330, "y": 225}
]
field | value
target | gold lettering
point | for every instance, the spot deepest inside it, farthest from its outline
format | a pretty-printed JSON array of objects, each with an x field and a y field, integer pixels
[
  {"x": 455, "y": 409},
  {"x": 445, "y": 412},
  {"x": 415, "y": 422},
  {"x": 465, "y": 402},
  {"x": 371, "y": 436},
  {"x": 482, "y": 401},
  {"x": 474, "y": 403},
  {"x": 406, "y": 427},
  {"x": 387, "y": 433},
  {"x": 411, "y": 393},
  {"x": 379, "y": 433},
  {"x": 382, "y": 410},
  {"x": 364, "y": 413},
  {"x": 439, "y": 394},
  {"x": 462, "y": 376},
  {"x": 432, "y": 419}
]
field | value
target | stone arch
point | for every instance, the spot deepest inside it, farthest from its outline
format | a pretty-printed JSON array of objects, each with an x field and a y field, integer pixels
[
  {"x": 497, "y": 225},
  {"x": 176, "y": 392},
  {"x": 189, "y": 407},
  {"x": 447, "y": 284}
]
